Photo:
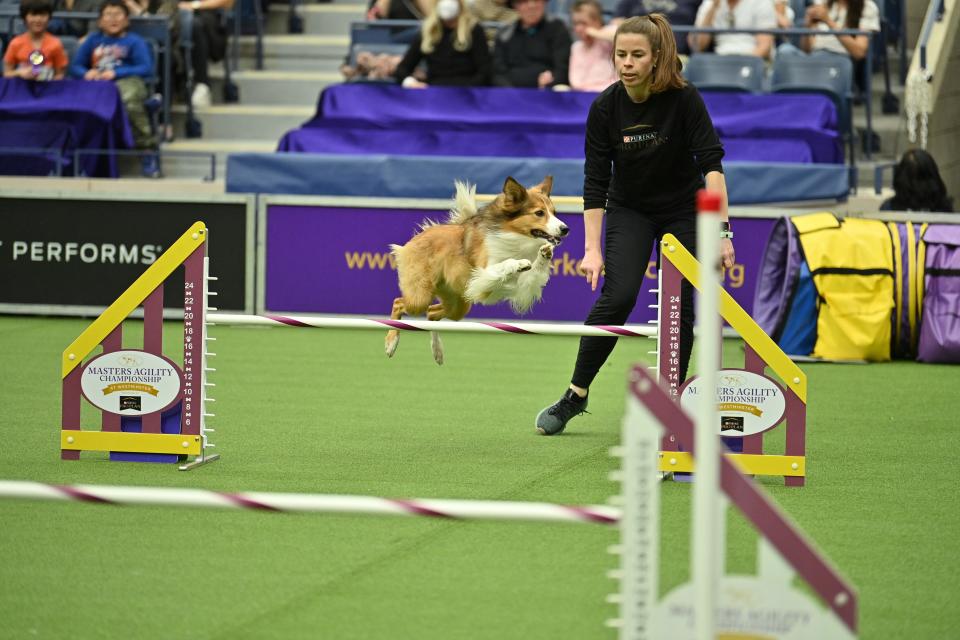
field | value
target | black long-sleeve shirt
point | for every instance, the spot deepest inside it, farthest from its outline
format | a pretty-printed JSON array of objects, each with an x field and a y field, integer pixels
[
  {"x": 448, "y": 67},
  {"x": 660, "y": 150},
  {"x": 520, "y": 55}
]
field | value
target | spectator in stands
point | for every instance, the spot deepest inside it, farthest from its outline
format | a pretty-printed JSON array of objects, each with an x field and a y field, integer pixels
[
  {"x": 74, "y": 27},
  {"x": 399, "y": 9},
  {"x": 732, "y": 14},
  {"x": 786, "y": 18},
  {"x": 209, "y": 33},
  {"x": 533, "y": 51},
  {"x": 917, "y": 185},
  {"x": 841, "y": 14},
  {"x": 591, "y": 58},
  {"x": 114, "y": 55},
  {"x": 35, "y": 54},
  {"x": 678, "y": 12},
  {"x": 492, "y": 11},
  {"x": 454, "y": 47},
  {"x": 650, "y": 146}
]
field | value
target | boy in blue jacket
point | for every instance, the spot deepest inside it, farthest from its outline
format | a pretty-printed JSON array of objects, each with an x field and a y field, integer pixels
[{"x": 112, "y": 54}]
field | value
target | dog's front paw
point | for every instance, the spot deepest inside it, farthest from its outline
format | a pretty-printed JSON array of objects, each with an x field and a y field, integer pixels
[
  {"x": 546, "y": 251},
  {"x": 523, "y": 265}
]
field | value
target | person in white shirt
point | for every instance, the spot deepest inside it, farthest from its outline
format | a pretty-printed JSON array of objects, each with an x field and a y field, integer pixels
[
  {"x": 841, "y": 14},
  {"x": 731, "y": 14}
]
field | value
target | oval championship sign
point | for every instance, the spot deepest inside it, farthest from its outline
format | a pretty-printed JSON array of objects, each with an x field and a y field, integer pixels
[
  {"x": 131, "y": 383},
  {"x": 747, "y": 403}
]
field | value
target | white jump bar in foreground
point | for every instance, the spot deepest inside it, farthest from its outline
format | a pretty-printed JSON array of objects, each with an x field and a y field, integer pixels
[{"x": 311, "y": 503}]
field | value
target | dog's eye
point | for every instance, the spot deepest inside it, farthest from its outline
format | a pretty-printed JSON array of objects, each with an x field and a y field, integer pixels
[{"x": 539, "y": 213}]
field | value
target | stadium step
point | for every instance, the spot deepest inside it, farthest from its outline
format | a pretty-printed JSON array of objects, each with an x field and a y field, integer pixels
[
  {"x": 191, "y": 158},
  {"x": 242, "y": 121},
  {"x": 289, "y": 88},
  {"x": 297, "y": 52},
  {"x": 316, "y": 18}
]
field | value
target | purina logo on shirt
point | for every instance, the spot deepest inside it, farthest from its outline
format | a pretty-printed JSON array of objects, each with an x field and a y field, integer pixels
[
  {"x": 643, "y": 137},
  {"x": 640, "y": 136}
]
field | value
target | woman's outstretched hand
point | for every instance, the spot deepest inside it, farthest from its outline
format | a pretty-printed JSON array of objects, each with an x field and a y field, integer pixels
[{"x": 592, "y": 265}]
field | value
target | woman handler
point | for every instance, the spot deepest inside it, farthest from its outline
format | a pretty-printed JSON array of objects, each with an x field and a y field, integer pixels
[{"x": 654, "y": 131}]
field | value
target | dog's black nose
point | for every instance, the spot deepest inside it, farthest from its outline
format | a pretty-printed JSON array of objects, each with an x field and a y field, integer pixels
[{"x": 564, "y": 230}]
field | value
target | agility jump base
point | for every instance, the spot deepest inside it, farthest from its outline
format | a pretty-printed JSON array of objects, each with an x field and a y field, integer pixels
[
  {"x": 761, "y": 352},
  {"x": 152, "y": 410}
]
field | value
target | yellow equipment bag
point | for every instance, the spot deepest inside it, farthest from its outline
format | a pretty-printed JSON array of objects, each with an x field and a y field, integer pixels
[{"x": 852, "y": 266}]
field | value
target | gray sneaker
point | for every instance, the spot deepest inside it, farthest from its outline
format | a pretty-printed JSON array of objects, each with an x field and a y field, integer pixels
[{"x": 553, "y": 420}]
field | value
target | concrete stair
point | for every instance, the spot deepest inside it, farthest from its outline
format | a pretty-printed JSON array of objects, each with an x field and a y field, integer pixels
[
  {"x": 292, "y": 52},
  {"x": 278, "y": 98},
  {"x": 206, "y": 160},
  {"x": 317, "y": 18},
  {"x": 245, "y": 121},
  {"x": 277, "y": 88}
]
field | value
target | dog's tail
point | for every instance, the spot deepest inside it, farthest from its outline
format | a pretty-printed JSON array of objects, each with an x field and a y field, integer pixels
[{"x": 465, "y": 203}]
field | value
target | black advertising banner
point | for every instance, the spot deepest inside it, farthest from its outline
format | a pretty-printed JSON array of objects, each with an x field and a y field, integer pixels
[{"x": 87, "y": 252}]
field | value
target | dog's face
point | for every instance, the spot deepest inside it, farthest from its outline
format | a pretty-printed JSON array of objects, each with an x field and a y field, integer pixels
[{"x": 530, "y": 211}]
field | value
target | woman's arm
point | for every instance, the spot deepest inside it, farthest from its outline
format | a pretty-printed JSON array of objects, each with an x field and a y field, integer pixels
[
  {"x": 482, "y": 61},
  {"x": 410, "y": 60},
  {"x": 705, "y": 15},
  {"x": 717, "y": 183},
  {"x": 596, "y": 184},
  {"x": 592, "y": 263}
]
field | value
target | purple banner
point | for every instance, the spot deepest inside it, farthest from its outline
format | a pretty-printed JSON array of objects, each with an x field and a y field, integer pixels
[{"x": 336, "y": 260}]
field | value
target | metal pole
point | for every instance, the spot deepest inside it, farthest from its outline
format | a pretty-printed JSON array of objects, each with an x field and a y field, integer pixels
[{"x": 706, "y": 495}]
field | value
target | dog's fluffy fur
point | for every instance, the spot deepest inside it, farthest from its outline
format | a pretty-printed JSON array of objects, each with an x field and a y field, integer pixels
[{"x": 500, "y": 252}]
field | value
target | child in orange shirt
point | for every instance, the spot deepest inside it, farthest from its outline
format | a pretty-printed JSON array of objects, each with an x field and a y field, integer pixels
[{"x": 36, "y": 54}]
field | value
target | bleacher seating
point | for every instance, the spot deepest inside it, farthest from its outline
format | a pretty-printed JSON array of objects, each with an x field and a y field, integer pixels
[
  {"x": 712, "y": 72},
  {"x": 826, "y": 75}
]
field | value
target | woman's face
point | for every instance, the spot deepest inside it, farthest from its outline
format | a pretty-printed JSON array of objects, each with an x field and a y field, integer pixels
[{"x": 633, "y": 58}]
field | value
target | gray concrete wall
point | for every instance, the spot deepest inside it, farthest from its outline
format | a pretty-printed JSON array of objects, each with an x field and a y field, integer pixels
[{"x": 944, "y": 132}]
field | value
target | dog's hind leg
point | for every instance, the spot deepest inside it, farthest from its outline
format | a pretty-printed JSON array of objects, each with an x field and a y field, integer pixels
[
  {"x": 393, "y": 336},
  {"x": 452, "y": 308},
  {"x": 436, "y": 312},
  {"x": 436, "y": 346}
]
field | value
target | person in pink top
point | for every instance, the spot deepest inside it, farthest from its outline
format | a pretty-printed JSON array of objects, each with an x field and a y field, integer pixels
[{"x": 591, "y": 58}]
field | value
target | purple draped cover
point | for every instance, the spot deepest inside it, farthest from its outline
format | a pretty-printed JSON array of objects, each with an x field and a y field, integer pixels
[
  {"x": 373, "y": 118},
  {"x": 62, "y": 115}
]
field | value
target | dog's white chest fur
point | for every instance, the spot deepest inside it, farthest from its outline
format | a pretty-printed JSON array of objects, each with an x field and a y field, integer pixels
[{"x": 517, "y": 270}]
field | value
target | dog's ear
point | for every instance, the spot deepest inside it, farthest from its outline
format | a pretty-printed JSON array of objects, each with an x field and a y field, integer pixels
[
  {"x": 546, "y": 186},
  {"x": 513, "y": 192}
]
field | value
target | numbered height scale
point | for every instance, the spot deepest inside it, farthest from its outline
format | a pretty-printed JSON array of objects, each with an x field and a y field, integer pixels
[{"x": 195, "y": 292}]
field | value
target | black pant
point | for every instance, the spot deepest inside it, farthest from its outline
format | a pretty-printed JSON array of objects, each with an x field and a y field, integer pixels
[
  {"x": 628, "y": 241},
  {"x": 209, "y": 43}
]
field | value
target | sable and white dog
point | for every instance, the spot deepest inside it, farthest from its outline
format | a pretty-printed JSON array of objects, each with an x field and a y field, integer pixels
[{"x": 500, "y": 252}]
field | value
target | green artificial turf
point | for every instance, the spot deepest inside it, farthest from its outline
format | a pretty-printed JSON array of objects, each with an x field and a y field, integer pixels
[{"x": 324, "y": 411}]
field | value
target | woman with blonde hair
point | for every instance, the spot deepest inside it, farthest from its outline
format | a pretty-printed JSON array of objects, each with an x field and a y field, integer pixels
[
  {"x": 650, "y": 146},
  {"x": 454, "y": 47}
]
